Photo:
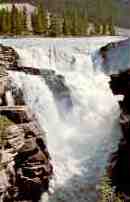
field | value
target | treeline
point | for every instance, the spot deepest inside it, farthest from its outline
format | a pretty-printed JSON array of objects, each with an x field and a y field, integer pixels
[
  {"x": 13, "y": 22},
  {"x": 71, "y": 22}
]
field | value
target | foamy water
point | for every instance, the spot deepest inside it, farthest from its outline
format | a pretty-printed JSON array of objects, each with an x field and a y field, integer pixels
[{"x": 81, "y": 145}]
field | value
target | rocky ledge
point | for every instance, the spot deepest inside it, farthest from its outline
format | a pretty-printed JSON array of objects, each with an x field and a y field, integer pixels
[
  {"x": 25, "y": 163},
  {"x": 119, "y": 168},
  {"x": 55, "y": 82}
]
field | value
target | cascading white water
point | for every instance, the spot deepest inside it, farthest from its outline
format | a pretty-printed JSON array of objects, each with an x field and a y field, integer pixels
[{"x": 79, "y": 147}]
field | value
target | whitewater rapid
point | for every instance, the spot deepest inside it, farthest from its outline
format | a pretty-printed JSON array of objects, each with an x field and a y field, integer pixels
[{"x": 81, "y": 144}]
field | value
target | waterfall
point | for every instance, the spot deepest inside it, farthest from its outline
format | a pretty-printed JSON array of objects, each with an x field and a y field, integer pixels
[{"x": 81, "y": 145}]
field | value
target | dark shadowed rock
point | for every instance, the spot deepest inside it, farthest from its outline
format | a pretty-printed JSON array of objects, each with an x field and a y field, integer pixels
[
  {"x": 61, "y": 92},
  {"x": 119, "y": 168},
  {"x": 18, "y": 116},
  {"x": 8, "y": 56},
  {"x": 16, "y": 93},
  {"x": 120, "y": 83}
]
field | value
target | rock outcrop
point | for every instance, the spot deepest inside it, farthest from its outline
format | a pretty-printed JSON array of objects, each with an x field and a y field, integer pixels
[
  {"x": 25, "y": 163},
  {"x": 8, "y": 56},
  {"x": 119, "y": 168},
  {"x": 54, "y": 81},
  {"x": 58, "y": 87}
]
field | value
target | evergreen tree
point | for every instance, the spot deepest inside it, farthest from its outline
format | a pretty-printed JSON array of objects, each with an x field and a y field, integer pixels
[
  {"x": 97, "y": 28},
  {"x": 13, "y": 19},
  {"x": 84, "y": 23},
  {"x": 41, "y": 19},
  {"x": 34, "y": 22},
  {"x": 111, "y": 26},
  {"x": 24, "y": 20},
  {"x": 65, "y": 28},
  {"x": 66, "y": 25},
  {"x": 1, "y": 14},
  {"x": 8, "y": 21},
  {"x": 3, "y": 22},
  {"x": 67, "y": 22},
  {"x": 20, "y": 22},
  {"x": 56, "y": 26},
  {"x": 75, "y": 23},
  {"x": 16, "y": 21}
]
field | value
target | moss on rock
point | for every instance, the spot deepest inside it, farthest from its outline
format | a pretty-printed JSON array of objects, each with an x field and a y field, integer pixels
[
  {"x": 4, "y": 123},
  {"x": 107, "y": 192}
]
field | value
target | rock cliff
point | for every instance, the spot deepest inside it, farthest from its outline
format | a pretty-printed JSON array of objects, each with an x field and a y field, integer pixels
[
  {"x": 55, "y": 82},
  {"x": 119, "y": 168},
  {"x": 25, "y": 163}
]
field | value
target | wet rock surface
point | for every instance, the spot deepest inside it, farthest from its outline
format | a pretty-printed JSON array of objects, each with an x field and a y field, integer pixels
[
  {"x": 8, "y": 56},
  {"x": 25, "y": 163},
  {"x": 119, "y": 168},
  {"x": 58, "y": 87},
  {"x": 54, "y": 81}
]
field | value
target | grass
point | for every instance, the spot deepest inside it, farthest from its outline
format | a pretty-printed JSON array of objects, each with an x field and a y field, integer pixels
[{"x": 4, "y": 123}]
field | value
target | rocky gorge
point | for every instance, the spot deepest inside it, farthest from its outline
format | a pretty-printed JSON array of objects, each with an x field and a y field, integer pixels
[
  {"x": 119, "y": 162},
  {"x": 119, "y": 167},
  {"x": 57, "y": 89}
]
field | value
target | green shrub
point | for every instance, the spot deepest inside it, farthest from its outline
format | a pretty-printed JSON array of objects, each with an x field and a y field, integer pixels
[{"x": 107, "y": 193}]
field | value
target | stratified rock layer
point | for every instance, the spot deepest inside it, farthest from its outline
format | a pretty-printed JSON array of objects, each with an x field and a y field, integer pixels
[
  {"x": 54, "y": 81},
  {"x": 25, "y": 163}
]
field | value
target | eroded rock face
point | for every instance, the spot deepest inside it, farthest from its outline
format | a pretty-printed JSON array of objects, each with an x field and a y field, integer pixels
[
  {"x": 3, "y": 85},
  {"x": 32, "y": 170},
  {"x": 16, "y": 93},
  {"x": 25, "y": 163},
  {"x": 18, "y": 116},
  {"x": 119, "y": 168},
  {"x": 58, "y": 87},
  {"x": 20, "y": 131},
  {"x": 56, "y": 82},
  {"x": 8, "y": 56},
  {"x": 120, "y": 83}
]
